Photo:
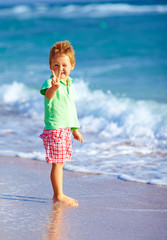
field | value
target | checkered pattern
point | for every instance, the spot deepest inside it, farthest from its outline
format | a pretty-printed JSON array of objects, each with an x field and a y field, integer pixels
[{"x": 57, "y": 143}]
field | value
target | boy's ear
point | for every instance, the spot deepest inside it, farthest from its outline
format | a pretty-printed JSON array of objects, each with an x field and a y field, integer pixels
[{"x": 72, "y": 66}]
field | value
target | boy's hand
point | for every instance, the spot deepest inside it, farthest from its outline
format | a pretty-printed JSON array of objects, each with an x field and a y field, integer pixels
[
  {"x": 56, "y": 80},
  {"x": 50, "y": 92},
  {"x": 77, "y": 135}
]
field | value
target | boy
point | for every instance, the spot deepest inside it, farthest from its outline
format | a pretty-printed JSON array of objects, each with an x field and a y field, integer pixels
[{"x": 60, "y": 116}]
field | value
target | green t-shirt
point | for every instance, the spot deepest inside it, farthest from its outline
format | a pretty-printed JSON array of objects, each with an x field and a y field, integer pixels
[{"x": 60, "y": 111}]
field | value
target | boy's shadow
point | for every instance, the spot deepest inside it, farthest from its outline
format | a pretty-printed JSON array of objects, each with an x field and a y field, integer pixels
[{"x": 23, "y": 198}]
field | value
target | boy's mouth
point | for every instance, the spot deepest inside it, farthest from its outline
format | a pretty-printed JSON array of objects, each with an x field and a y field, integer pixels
[{"x": 62, "y": 73}]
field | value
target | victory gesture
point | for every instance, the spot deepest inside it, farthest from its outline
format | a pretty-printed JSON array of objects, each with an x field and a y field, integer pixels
[
  {"x": 56, "y": 80},
  {"x": 50, "y": 92}
]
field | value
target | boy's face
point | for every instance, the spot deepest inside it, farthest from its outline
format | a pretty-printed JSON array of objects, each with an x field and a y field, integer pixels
[{"x": 61, "y": 64}]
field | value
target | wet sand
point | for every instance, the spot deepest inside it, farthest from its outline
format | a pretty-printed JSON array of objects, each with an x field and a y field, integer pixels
[{"x": 109, "y": 208}]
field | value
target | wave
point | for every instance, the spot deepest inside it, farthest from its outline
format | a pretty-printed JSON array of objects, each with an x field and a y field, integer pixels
[
  {"x": 141, "y": 170},
  {"x": 107, "y": 115},
  {"x": 124, "y": 138},
  {"x": 16, "y": 98},
  {"x": 80, "y": 11}
]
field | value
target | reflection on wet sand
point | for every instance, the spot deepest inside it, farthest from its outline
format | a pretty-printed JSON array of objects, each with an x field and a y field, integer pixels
[{"x": 58, "y": 223}]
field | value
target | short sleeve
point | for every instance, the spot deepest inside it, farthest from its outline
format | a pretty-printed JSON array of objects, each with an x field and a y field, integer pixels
[{"x": 46, "y": 84}]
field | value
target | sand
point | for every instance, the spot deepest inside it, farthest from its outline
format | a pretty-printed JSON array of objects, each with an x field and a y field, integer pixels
[{"x": 108, "y": 208}]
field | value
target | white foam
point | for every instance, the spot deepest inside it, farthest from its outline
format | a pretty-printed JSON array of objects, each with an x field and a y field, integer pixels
[
  {"x": 18, "y": 98},
  {"x": 103, "y": 114},
  {"x": 13, "y": 92},
  {"x": 21, "y": 9},
  {"x": 33, "y": 155},
  {"x": 122, "y": 137},
  {"x": 80, "y": 11}
]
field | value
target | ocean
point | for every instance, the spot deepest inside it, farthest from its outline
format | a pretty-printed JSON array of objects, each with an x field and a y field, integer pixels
[{"x": 120, "y": 77}]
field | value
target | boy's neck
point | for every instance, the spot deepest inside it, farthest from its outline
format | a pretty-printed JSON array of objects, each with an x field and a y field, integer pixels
[{"x": 64, "y": 81}]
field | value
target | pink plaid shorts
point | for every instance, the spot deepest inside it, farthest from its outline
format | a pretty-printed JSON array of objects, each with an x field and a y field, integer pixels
[{"x": 57, "y": 143}]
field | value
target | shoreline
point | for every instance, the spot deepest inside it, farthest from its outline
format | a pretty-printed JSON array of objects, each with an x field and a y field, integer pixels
[
  {"x": 108, "y": 208},
  {"x": 110, "y": 177}
]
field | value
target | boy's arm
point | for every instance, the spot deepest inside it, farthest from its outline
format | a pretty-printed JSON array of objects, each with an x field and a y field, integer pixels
[
  {"x": 77, "y": 135},
  {"x": 50, "y": 92}
]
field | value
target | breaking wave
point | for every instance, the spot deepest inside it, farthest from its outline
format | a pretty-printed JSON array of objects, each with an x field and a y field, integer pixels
[{"x": 79, "y": 11}]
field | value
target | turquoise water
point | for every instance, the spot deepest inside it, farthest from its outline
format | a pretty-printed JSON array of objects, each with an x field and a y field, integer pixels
[
  {"x": 120, "y": 76},
  {"x": 122, "y": 51}
]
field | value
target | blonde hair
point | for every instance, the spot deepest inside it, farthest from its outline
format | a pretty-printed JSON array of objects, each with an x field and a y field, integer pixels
[{"x": 60, "y": 48}]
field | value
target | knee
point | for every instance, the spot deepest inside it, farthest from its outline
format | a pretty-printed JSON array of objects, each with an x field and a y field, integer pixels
[{"x": 57, "y": 165}]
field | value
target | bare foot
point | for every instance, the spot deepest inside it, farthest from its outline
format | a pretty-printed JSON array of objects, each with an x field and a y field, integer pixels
[{"x": 67, "y": 200}]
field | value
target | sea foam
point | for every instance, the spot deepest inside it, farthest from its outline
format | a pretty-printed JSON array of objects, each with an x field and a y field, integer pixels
[
  {"x": 123, "y": 137},
  {"x": 104, "y": 114},
  {"x": 80, "y": 10}
]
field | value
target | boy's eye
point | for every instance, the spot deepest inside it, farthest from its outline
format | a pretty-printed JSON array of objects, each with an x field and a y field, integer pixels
[{"x": 56, "y": 65}]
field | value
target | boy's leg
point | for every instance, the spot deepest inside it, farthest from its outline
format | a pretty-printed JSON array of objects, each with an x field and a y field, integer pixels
[
  {"x": 57, "y": 179},
  {"x": 57, "y": 184}
]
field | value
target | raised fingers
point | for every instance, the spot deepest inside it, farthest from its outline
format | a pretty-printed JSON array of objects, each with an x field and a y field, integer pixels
[
  {"x": 54, "y": 75},
  {"x": 59, "y": 74},
  {"x": 56, "y": 78}
]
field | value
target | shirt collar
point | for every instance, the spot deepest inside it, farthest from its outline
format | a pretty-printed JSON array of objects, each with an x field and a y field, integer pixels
[{"x": 69, "y": 81}]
